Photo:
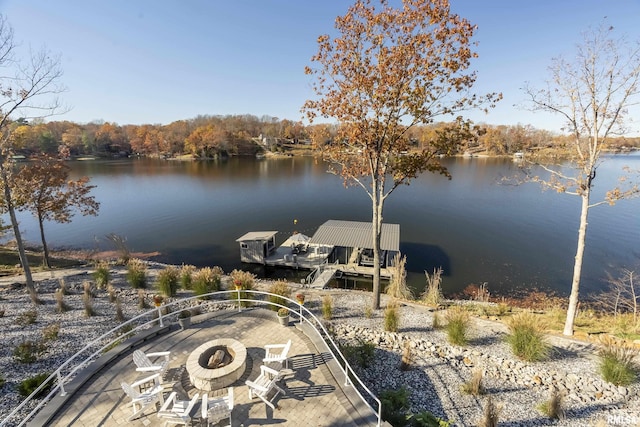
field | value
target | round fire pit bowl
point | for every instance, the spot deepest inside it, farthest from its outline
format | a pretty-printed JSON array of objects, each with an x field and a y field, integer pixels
[{"x": 233, "y": 365}]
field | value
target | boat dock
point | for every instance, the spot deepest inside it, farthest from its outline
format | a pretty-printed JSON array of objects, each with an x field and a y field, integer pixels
[{"x": 337, "y": 248}]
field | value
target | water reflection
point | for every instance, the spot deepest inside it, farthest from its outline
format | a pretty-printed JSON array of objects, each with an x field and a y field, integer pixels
[{"x": 477, "y": 230}]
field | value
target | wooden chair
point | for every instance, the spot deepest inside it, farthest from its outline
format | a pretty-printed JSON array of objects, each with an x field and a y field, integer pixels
[
  {"x": 145, "y": 364},
  {"x": 146, "y": 398},
  {"x": 176, "y": 411},
  {"x": 277, "y": 353},
  {"x": 264, "y": 384},
  {"x": 216, "y": 409}
]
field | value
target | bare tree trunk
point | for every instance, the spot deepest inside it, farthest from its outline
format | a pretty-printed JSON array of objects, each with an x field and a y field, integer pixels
[
  {"x": 45, "y": 248},
  {"x": 577, "y": 266},
  {"x": 376, "y": 229},
  {"x": 16, "y": 231}
]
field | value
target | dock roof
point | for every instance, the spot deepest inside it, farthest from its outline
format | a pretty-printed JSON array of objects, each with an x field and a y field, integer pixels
[
  {"x": 356, "y": 234},
  {"x": 257, "y": 236}
]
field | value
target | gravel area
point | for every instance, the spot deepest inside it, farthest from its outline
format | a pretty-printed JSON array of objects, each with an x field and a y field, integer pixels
[{"x": 434, "y": 380}]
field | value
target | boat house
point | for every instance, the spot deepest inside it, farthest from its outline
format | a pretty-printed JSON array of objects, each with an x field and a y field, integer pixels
[
  {"x": 256, "y": 246},
  {"x": 353, "y": 242},
  {"x": 337, "y": 247}
]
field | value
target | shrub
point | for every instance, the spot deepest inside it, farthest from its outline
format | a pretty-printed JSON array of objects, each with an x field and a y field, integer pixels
[
  {"x": 87, "y": 302},
  {"x": 184, "y": 314},
  {"x": 526, "y": 337},
  {"x": 61, "y": 305},
  {"x": 28, "y": 386},
  {"x": 111, "y": 292},
  {"x": 33, "y": 294},
  {"x": 28, "y": 351},
  {"x": 457, "y": 325},
  {"x": 283, "y": 312},
  {"x": 280, "y": 288},
  {"x": 432, "y": 294},
  {"x": 102, "y": 275},
  {"x": 50, "y": 332},
  {"x": 245, "y": 281},
  {"x": 327, "y": 307},
  {"x": 552, "y": 408},
  {"x": 63, "y": 286},
  {"x": 241, "y": 278},
  {"x": 167, "y": 282},
  {"x": 391, "y": 317},
  {"x": 368, "y": 311},
  {"x": 361, "y": 354},
  {"x": 407, "y": 358},
  {"x": 27, "y": 318},
  {"x": 617, "y": 364},
  {"x": 186, "y": 276},
  {"x": 474, "y": 385},
  {"x": 119, "y": 314},
  {"x": 436, "y": 321},
  {"x": 120, "y": 244},
  {"x": 206, "y": 280},
  {"x": 142, "y": 300},
  {"x": 87, "y": 289},
  {"x": 397, "y": 287},
  {"x": 491, "y": 414},
  {"x": 502, "y": 308},
  {"x": 395, "y": 404},
  {"x": 136, "y": 273},
  {"x": 427, "y": 419}
]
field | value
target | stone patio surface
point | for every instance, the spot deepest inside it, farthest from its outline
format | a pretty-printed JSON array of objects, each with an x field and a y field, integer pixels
[{"x": 315, "y": 392}]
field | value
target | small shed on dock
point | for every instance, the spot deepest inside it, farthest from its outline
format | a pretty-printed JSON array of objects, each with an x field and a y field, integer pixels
[
  {"x": 353, "y": 241},
  {"x": 256, "y": 246}
]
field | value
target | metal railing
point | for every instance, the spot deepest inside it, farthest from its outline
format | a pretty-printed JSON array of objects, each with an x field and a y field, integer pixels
[{"x": 66, "y": 372}]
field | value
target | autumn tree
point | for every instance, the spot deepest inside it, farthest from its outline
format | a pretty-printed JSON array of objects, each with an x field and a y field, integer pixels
[
  {"x": 43, "y": 188},
  {"x": 591, "y": 93},
  {"x": 388, "y": 70},
  {"x": 205, "y": 141},
  {"x": 27, "y": 90}
]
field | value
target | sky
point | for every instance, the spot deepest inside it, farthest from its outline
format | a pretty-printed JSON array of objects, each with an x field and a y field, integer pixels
[{"x": 158, "y": 61}]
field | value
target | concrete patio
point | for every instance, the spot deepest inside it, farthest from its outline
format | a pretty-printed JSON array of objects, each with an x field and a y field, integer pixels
[{"x": 315, "y": 394}]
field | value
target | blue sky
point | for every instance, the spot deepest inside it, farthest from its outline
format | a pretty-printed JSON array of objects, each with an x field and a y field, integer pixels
[{"x": 157, "y": 61}]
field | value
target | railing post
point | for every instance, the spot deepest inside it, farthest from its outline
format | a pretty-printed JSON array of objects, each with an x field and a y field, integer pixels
[
  {"x": 239, "y": 307},
  {"x": 61, "y": 384},
  {"x": 347, "y": 381},
  {"x": 160, "y": 317}
]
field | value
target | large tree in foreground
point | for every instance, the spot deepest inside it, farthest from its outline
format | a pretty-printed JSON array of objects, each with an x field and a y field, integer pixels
[
  {"x": 27, "y": 90},
  {"x": 388, "y": 70},
  {"x": 43, "y": 188},
  {"x": 592, "y": 93}
]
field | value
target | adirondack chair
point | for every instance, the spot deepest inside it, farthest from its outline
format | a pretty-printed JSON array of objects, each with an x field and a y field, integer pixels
[
  {"x": 176, "y": 411},
  {"x": 145, "y": 364},
  {"x": 144, "y": 399},
  {"x": 277, "y": 353},
  {"x": 216, "y": 409},
  {"x": 264, "y": 384}
]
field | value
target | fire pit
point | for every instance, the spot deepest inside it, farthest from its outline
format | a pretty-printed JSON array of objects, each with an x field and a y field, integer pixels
[{"x": 217, "y": 364}]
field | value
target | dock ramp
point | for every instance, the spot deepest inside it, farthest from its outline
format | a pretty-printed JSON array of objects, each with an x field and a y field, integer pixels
[{"x": 321, "y": 276}]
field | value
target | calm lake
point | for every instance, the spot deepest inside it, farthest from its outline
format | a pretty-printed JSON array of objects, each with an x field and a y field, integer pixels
[{"x": 476, "y": 229}]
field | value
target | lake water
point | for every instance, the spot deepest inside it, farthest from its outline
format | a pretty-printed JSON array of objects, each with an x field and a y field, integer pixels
[{"x": 512, "y": 238}]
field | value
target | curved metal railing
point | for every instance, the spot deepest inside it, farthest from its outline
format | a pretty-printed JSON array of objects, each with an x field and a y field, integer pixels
[{"x": 68, "y": 370}]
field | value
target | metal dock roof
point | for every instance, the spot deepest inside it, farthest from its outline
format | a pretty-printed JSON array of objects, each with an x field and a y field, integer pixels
[{"x": 356, "y": 234}]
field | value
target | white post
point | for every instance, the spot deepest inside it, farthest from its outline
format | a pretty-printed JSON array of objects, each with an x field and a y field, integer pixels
[
  {"x": 160, "y": 317},
  {"x": 62, "y": 391}
]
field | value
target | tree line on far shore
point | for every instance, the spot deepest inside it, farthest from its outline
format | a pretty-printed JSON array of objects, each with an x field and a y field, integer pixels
[{"x": 238, "y": 135}]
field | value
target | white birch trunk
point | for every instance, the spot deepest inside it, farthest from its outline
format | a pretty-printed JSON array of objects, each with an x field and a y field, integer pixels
[{"x": 577, "y": 266}]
